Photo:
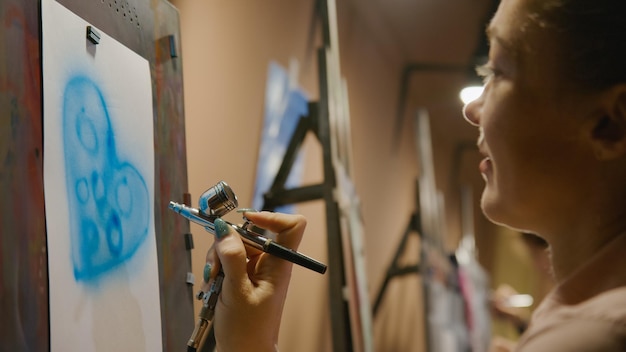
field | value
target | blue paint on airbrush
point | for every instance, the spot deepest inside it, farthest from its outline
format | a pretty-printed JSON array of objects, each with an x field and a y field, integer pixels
[{"x": 108, "y": 197}]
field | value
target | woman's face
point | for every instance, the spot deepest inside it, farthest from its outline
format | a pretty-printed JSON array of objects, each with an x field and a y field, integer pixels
[{"x": 530, "y": 127}]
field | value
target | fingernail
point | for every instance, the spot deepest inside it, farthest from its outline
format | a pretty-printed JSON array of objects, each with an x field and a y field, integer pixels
[
  {"x": 247, "y": 210},
  {"x": 207, "y": 272},
  {"x": 221, "y": 228}
]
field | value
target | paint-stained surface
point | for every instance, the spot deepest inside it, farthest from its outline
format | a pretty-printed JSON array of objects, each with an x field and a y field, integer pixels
[
  {"x": 171, "y": 179},
  {"x": 23, "y": 268}
]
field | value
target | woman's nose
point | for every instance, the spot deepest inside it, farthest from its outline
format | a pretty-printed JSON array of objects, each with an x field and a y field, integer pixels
[{"x": 470, "y": 112}]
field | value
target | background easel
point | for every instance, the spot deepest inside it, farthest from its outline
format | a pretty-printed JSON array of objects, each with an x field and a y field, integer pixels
[{"x": 329, "y": 122}]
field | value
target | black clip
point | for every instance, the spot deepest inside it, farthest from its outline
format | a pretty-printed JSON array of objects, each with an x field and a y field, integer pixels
[
  {"x": 93, "y": 35},
  {"x": 189, "y": 241}
]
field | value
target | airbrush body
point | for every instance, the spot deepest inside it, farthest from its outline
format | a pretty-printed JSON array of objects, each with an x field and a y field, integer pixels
[{"x": 250, "y": 238}]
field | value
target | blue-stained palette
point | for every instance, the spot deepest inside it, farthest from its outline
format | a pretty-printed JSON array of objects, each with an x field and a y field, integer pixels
[{"x": 107, "y": 195}]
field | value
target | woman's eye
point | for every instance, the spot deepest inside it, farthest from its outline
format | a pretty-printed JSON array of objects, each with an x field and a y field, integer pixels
[{"x": 486, "y": 72}]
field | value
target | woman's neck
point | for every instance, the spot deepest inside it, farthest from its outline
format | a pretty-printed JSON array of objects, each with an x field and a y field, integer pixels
[{"x": 583, "y": 269}]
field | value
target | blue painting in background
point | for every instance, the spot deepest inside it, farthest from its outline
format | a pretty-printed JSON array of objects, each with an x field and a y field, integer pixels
[
  {"x": 108, "y": 197},
  {"x": 284, "y": 105}
]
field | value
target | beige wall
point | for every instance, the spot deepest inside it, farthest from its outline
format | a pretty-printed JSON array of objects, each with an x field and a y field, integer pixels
[{"x": 226, "y": 49}]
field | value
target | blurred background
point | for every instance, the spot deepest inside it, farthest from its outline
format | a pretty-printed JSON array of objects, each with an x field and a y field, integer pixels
[{"x": 400, "y": 59}]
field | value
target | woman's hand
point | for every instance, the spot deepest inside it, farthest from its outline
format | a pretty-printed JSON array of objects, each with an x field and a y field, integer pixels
[{"x": 249, "y": 308}]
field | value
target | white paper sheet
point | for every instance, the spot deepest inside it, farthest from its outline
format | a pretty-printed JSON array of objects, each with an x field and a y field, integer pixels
[{"x": 99, "y": 190}]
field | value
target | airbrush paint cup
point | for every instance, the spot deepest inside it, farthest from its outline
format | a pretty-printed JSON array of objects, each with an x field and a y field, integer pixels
[{"x": 218, "y": 200}]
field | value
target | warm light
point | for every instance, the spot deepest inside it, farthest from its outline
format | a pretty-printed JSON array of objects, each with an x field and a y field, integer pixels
[
  {"x": 520, "y": 301},
  {"x": 469, "y": 94}
]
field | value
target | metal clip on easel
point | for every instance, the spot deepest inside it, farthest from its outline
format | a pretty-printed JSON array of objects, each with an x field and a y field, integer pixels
[{"x": 214, "y": 203}]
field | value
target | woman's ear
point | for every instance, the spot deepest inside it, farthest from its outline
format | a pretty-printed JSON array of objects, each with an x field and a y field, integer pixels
[{"x": 609, "y": 128}]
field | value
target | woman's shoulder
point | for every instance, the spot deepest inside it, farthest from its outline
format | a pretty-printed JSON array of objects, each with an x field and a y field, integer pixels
[
  {"x": 597, "y": 324},
  {"x": 577, "y": 335},
  {"x": 609, "y": 306}
]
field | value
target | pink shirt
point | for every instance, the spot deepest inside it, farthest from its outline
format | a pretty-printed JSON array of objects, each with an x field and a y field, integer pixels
[{"x": 587, "y": 311}]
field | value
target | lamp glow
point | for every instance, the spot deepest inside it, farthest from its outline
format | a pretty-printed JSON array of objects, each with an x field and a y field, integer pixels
[
  {"x": 469, "y": 94},
  {"x": 520, "y": 301}
]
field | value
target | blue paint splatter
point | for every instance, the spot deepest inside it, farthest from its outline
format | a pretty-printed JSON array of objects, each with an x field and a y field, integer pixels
[{"x": 108, "y": 197}]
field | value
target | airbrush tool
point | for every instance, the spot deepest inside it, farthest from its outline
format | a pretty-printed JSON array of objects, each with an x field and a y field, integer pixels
[
  {"x": 214, "y": 203},
  {"x": 219, "y": 200}
]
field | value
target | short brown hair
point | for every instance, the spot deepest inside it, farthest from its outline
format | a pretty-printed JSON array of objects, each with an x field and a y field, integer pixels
[{"x": 591, "y": 37}]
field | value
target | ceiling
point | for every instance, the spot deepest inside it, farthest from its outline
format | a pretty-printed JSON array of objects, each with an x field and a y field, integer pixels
[
  {"x": 438, "y": 42},
  {"x": 435, "y": 31}
]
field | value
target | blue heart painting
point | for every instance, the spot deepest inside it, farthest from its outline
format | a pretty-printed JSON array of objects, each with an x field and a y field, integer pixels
[{"x": 107, "y": 196}]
